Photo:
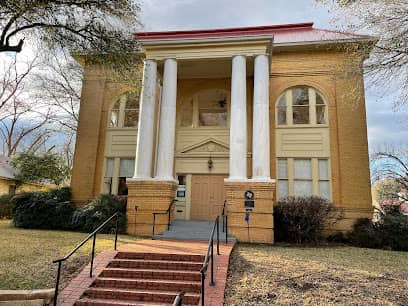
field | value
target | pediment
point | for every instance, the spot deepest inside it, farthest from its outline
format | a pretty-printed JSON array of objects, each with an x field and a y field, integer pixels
[{"x": 210, "y": 145}]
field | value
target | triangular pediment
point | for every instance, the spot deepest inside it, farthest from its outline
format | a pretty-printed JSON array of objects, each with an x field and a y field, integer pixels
[{"x": 209, "y": 145}]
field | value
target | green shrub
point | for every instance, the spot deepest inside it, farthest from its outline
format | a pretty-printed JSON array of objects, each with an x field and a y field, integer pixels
[
  {"x": 302, "y": 219},
  {"x": 389, "y": 233},
  {"x": 6, "y": 206},
  {"x": 43, "y": 210},
  {"x": 90, "y": 216}
]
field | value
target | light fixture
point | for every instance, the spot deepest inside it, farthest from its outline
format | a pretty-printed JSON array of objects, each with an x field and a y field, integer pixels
[{"x": 210, "y": 163}]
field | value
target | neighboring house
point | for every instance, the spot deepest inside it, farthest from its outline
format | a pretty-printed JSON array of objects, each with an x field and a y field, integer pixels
[
  {"x": 8, "y": 183},
  {"x": 278, "y": 110},
  {"x": 387, "y": 192}
]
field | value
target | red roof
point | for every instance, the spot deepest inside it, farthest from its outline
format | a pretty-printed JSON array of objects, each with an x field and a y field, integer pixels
[{"x": 285, "y": 33}]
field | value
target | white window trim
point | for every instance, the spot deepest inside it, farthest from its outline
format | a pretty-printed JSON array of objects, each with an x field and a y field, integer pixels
[
  {"x": 315, "y": 176},
  {"x": 312, "y": 110},
  {"x": 121, "y": 116}
]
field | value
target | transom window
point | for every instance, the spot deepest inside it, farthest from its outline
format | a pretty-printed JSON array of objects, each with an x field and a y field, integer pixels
[
  {"x": 125, "y": 111},
  {"x": 301, "y": 105},
  {"x": 303, "y": 177}
]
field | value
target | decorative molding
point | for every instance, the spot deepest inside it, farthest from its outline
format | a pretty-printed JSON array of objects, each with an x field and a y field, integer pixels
[{"x": 207, "y": 146}]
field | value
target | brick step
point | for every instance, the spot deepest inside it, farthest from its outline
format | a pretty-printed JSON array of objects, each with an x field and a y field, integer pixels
[
  {"x": 151, "y": 284},
  {"x": 104, "y": 302},
  {"x": 156, "y": 264},
  {"x": 159, "y": 256},
  {"x": 146, "y": 296},
  {"x": 151, "y": 274}
]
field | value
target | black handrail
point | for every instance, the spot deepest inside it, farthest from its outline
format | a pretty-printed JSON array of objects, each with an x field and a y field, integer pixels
[
  {"x": 93, "y": 234},
  {"x": 223, "y": 216},
  {"x": 168, "y": 212},
  {"x": 178, "y": 301},
  {"x": 209, "y": 257}
]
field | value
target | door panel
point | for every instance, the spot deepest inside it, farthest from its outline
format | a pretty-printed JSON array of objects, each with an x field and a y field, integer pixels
[{"x": 207, "y": 196}]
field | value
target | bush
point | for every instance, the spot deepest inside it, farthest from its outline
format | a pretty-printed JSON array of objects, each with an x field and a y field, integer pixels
[
  {"x": 6, "y": 206},
  {"x": 43, "y": 210},
  {"x": 302, "y": 219},
  {"x": 389, "y": 233},
  {"x": 90, "y": 216}
]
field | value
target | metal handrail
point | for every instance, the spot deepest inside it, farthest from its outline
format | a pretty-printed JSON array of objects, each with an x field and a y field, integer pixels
[
  {"x": 209, "y": 257},
  {"x": 168, "y": 212},
  {"x": 93, "y": 234},
  {"x": 224, "y": 218},
  {"x": 179, "y": 299}
]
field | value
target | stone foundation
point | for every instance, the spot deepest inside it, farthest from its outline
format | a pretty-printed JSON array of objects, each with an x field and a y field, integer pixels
[
  {"x": 260, "y": 220},
  {"x": 150, "y": 196}
]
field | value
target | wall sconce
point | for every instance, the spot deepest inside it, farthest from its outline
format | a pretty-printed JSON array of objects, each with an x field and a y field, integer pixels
[{"x": 210, "y": 163}]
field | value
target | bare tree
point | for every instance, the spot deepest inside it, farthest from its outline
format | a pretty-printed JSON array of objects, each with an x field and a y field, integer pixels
[
  {"x": 24, "y": 122},
  {"x": 12, "y": 80},
  {"x": 390, "y": 176},
  {"x": 387, "y": 67},
  {"x": 58, "y": 83}
]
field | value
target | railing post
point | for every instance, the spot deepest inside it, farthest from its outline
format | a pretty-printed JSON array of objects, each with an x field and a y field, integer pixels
[
  {"x": 218, "y": 235},
  {"x": 116, "y": 230},
  {"x": 226, "y": 229},
  {"x": 202, "y": 287},
  {"x": 136, "y": 207},
  {"x": 212, "y": 283},
  {"x": 168, "y": 221},
  {"x": 154, "y": 222},
  {"x": 57, "y": 283},
  {"x": 93, "y": 255}
]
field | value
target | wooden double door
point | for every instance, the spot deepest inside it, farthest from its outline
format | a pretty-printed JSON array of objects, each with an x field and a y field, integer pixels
[{"x": 207, "y": 196}]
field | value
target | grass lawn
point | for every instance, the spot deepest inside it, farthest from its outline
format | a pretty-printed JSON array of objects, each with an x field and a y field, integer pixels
[
  {"x": 26, "y": 255},
  {"x": 327, "y": 275}
]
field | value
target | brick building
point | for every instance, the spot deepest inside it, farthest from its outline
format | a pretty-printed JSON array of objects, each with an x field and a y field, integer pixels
[{"x": 278, "y": 110}]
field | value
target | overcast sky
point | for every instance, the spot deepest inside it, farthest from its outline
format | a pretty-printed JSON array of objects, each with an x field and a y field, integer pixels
[{"x": 384, "y": 125}]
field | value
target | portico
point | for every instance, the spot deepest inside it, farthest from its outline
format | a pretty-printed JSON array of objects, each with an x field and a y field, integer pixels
[{"x": 170, "y": 61}]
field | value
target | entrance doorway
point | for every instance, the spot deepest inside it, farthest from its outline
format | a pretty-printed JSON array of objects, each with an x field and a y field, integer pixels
[{"x": 207, "y": 196}]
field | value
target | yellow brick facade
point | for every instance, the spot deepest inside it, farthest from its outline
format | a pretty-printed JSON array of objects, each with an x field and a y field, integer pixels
[{"x": 336, "y": 74}]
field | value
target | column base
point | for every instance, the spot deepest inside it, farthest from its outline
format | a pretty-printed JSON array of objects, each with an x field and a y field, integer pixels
[
  {"x": 150, "y": 196},
  {"x": 260, "y": 220}
]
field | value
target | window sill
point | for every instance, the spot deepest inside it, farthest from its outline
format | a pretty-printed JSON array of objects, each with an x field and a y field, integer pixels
[{"x": 301, "y": 126}]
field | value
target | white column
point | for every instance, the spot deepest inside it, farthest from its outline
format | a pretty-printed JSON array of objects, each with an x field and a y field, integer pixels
[
  {"x": 167, "y": 127},
  {"x": 145, "y": 132},
  {"x": 238, "y": 126},
  {"x": 261, "y": 140}
]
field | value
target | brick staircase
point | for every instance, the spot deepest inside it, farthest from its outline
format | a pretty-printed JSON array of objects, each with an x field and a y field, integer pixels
[{"x": 135, "y": 279}]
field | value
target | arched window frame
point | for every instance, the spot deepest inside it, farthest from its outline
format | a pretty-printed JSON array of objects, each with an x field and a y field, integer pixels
[
  {"x": 121, "y": 110},
  {"x": 313, "y": 97}
]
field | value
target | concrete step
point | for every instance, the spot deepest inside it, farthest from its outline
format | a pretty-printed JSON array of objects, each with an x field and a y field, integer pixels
[
  {"x": 151, "y": 284},
  {"x": 151, "y": 274},
  {"x": 156, "y": 264},
  {"x": 159, "y": 256},
  {"x": 146, "y": 296}
]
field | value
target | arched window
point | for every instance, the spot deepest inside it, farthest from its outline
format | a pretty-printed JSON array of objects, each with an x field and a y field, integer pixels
[
  {"x": 301, "y": 105},
  {"x": 125, "y": 111}
]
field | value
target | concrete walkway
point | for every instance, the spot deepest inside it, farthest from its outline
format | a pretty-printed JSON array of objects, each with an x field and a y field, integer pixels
[{"x": 192, "y": 230}]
